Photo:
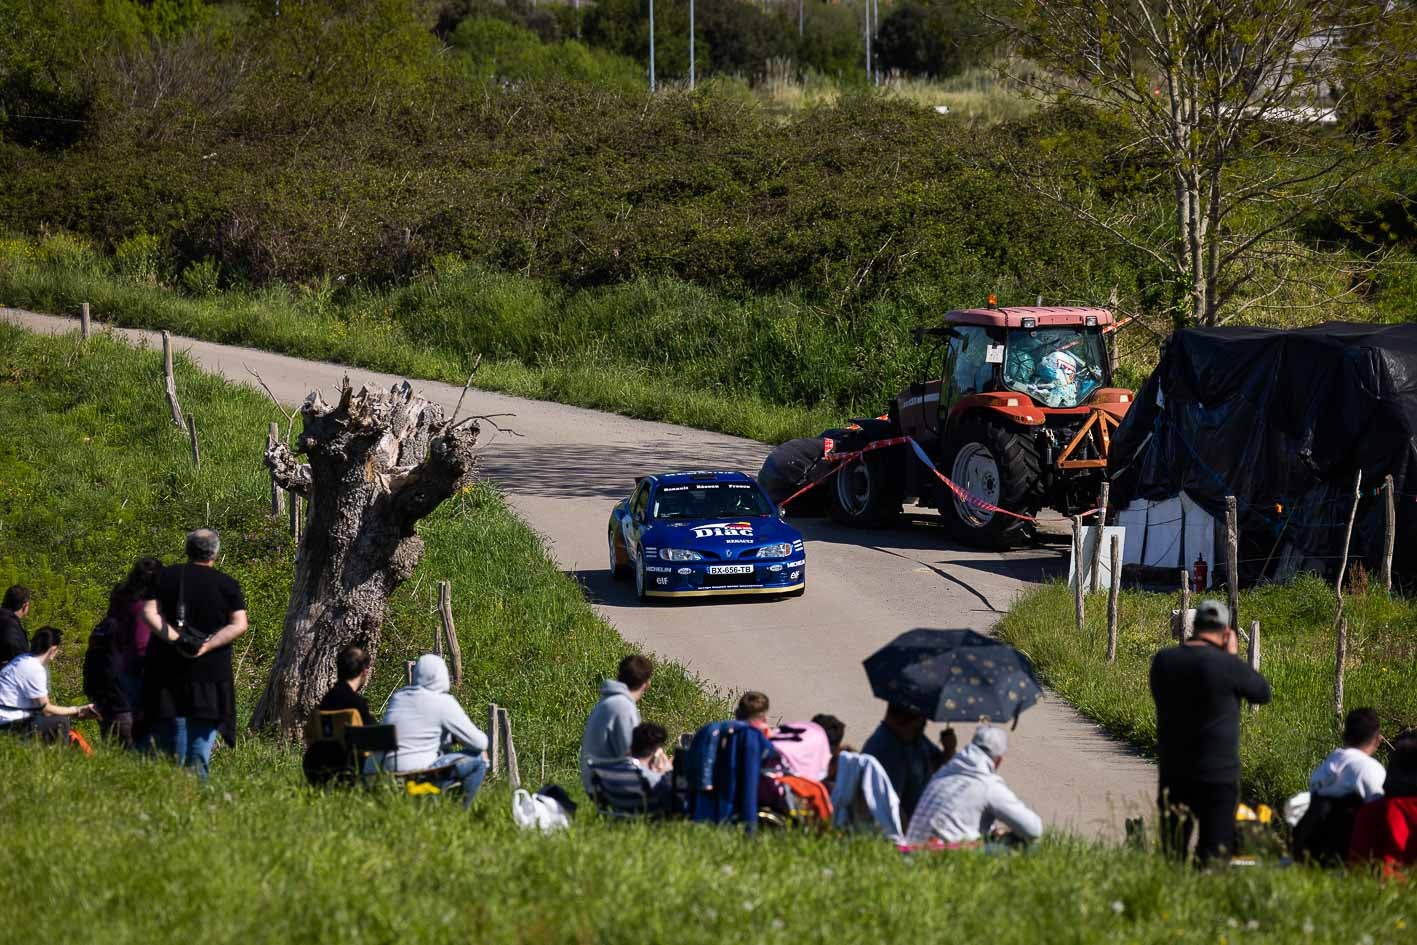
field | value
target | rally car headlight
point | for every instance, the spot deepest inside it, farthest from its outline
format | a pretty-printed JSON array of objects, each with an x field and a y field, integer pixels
[
  {"x": 775, "y": 551},
  {"x": 680, "y": 554}
]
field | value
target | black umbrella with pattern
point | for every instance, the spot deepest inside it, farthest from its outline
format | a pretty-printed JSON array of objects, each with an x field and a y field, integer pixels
[{"x": 954, "y": 676}]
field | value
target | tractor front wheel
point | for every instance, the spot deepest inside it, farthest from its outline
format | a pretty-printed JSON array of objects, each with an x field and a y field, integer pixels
[{"x": 1000, "y": 465}]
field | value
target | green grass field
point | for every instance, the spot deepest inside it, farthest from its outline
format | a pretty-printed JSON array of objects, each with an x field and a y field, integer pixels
[
  {"x": 1283, "y": 741},
  {"x": 121, "y": 849}
]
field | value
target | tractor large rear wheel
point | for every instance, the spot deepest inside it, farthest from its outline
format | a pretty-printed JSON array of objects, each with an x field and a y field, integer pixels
[
  {"x": 1000, "y": 465},
  {"x": 867, "y": 493}
]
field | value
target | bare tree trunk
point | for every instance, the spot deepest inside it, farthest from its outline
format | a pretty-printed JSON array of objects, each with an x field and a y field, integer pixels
[{"x": 378, "y": 462}]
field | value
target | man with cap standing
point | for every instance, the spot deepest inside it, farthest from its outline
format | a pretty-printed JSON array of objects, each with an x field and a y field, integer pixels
[
  {"x": 1197, "y": 687},
  {"x": 966, "y": 797}
]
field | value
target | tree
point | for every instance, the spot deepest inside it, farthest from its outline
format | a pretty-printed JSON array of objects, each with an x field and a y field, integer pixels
[
  {"x": 378, "y": 463},
  {"x": 935, "y": 38},
  {"x": 1232, "y": 106}
]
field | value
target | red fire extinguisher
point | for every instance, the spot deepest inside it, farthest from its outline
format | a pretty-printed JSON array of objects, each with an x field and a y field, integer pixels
[{"x": 1198, "y": 570}]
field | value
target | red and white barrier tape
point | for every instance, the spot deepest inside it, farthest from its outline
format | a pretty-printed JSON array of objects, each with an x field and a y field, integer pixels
[{"x": 843, "y": 459}]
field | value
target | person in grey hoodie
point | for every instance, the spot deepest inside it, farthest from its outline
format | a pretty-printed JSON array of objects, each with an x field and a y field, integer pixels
[
  {"x": 612, "y": 722},
  {"x": 966, "y": 797},
  {"x": 427, "y": 717}
]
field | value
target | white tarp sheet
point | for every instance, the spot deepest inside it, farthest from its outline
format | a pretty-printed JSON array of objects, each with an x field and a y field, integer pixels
[{"x": 1171, "y": 533}]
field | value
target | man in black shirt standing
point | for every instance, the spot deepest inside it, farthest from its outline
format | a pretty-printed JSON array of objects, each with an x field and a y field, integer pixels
[
  {"x": 1197, "y": 687},
  {"x": 189, "y": 693}
]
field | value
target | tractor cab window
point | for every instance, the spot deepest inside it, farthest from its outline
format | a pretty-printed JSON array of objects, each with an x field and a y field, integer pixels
[
  {"x": 1057, "y": 367},
  {"x": 968, "y": 369}
]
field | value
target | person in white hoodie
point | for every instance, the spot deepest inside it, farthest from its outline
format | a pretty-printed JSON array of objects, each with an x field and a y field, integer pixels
[
  {"x": 427, "y": 718},
  {"x": 612, "y": 722},
  {"x": 1352, "y": 769},
  {"x": 966, "y": 797}
]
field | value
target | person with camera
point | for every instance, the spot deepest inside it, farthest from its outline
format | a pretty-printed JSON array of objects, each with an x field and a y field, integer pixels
[
  {"x": 189, "y": 693},
  {"x": 1197, "y": 687}
]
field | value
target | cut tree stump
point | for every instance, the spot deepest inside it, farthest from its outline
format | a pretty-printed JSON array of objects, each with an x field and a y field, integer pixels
[{"x": 378, "y": 462}]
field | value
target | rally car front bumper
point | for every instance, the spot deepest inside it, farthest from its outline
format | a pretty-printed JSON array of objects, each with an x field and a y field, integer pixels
[{"x": 713, "y": 578}]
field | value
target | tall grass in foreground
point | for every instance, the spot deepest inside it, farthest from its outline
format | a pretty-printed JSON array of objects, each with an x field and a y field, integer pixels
[
  {"x": 119, "y": 850},
  {"x": 1283, "y": 741},
  {"x": 93, "y": 475}
]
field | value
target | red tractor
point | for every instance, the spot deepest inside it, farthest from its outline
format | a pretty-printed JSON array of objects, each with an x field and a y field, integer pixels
[{"x": 1021, "y": 417}]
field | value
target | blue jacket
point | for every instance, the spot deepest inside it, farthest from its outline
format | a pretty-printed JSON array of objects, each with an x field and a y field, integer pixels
[{"x": 725, "y": 761}]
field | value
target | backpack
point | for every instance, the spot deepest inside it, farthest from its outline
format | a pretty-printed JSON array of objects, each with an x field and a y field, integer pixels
[{"x": 102, "y": 661}]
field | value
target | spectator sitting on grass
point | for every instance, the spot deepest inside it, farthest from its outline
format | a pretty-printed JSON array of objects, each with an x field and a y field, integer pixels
[
  {"x": 836, "y": 733},
  {"x": 645, "y": 767},
  {"x": 428, "y": 719},
  {"x": 352, "y": 666},
  {"x": 967, "y": 797},
  {"x": 753, "y": 709},
  {"x": 1348, "y": 777},
  {"x": 24, "y": 692},
  {"x": 908, "y": 757},
  {"x": 325, "y": 760},
  {"x": 610, "y": 724},
  {"x": 13, "y": 639}
]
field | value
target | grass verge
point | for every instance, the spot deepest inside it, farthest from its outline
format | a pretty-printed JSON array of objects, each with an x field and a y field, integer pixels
[
  {"x": 93, "y": 475},
  {"x": 117, "y": 849},
  {"x": 1282, "y": 742}
]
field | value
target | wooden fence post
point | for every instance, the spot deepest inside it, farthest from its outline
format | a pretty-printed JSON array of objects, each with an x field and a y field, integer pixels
[
  {"x": 1185, "y": 621},
  {"x": 494, "y": 740},
  {"x": 1254, "y": 654},
  {"x": 277, "y": 493},
  {"x": 445, "y": 615},
  {"x": 408, "y": 672},
  {"x": 1078, "y": 566},
  {"x": 1112, "y": 594},
  {"x": 84, "y": 326},
  {"x": 1232, "y": 558},
  {"x": 514, "y": 777},
  {"x": 1097, "y": 544},
  {"x": 1340, "y": 655},
  {"x": 192, "y": 435},
  {"x": 170, "y": 382},
  {"x": 1389, "y": 530}
]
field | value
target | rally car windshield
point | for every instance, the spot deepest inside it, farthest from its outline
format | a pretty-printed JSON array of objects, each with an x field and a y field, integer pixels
[
  {"x": 1057, "y": 367},
  {"x": 710, "y": 500}
]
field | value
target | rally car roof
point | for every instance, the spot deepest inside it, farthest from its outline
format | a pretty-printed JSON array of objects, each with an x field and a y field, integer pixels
[{"x": 701, "y": 476}]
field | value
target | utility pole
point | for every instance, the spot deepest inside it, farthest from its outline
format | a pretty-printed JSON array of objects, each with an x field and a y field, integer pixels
[
  {"x": 869, "y": 74},
  {"x": 801, "y": 6},
  {"x": 691, "y": 45},
  {"x": 651, "y": 45}
]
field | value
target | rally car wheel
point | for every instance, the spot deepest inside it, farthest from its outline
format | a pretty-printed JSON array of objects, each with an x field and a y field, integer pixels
[
  {"x": 865, "y": 494},
  {"x": 640, "y": 594},
  {"x": 618, "y": 569},
  {"x": 1000, "y": 466}
]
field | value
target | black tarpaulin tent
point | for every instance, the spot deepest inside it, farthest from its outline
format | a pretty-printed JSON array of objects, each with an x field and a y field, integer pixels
[{"x": 1282, "y": 420}]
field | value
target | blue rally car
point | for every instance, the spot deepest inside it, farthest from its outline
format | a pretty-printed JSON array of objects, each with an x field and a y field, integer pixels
[{"x": 695, "y": 534}]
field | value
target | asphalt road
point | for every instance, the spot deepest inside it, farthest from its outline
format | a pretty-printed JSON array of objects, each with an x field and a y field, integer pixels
[{"x": 864, "y": 587}]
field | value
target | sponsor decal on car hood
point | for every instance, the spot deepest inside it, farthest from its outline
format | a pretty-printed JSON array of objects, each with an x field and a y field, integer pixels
[{"x": 723, "y": 530}]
